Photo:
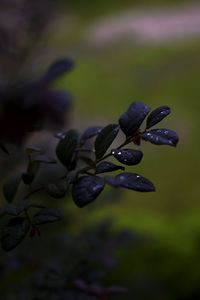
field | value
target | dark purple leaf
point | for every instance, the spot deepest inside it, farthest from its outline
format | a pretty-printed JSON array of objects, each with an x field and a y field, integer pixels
[
  {"x": 86, "y": 189},
  {"x": 134, "y": 182},
  {"x": 131, "y": 120},
  {"x": 57, "y": 69},
  {"x": 13, "y": 209},
  {"x": 111, "y": 181},
  {"x": 105, "y": 139},
  {"x": 90, "y": 133},
  {"x": 58, "y": 189},
  {"x": 65, "y": 148},
  {"x": 44, "y": 159},
  {"x": 105, "y": 166},
  {"x": 131, "y": 181},
  {"x": 14, "y": 232},
  {"x": 128, "y": 157},
  {"x": 46, "y": 215},
  {"x": 161, "y": 137},
  {"x": 157, "y": 115}
]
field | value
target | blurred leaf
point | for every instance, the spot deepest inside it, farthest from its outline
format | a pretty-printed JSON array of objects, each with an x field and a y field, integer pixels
[
  {"x": 157, "y": 115},
  {"x": 105, "y": 139},
  {"x": 87, "y": 189},
  {"x": 13, "y": 209},
  {"x": 161, "y": 137},
  {"x": 65, "y": 148},
  {"x": 46, "y": 215},
  {"x": 58, "y": 189},
  {"x": 131, "y": 120},
  {"x": 90, "y": 133},
  {"x": 44, "y": 159},
  {"x": 57, "y": 69},
  {"x": 10, "y": 187},
  {"x": 14, "y": 232},
  {"x": 131, "y": 181},
  {"x": 128, "y": 157},
  {"x": 105, "y": 166}
]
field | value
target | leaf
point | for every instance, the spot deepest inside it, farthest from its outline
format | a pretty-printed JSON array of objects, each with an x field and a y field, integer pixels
[
  {"x": 87, "y": 189},
  {"x": 131, "y": 120},
  {"x": 14, "y": 232},
  {"x": 58, "y": 189},
  {"x": 10, "y": 187},
  {"x": 57, "y": 69},
  {"x": 44, "y": 159},
  {"x": 90, "y": 133},
  {"x": 105, "y": 139},
  {"x": 131, "y": 181},
  {"x": 128, "y": 157},
  {"x": 161, "y": 137},
  {"x": 66, "y": 146},
  {"x": 157, "y": 115},
  {"x": 106, "y": 166},
  {"x": 13, "y": 209},
  {"x": 46, "y": 215},
  {"x": 111, "y": 181}
]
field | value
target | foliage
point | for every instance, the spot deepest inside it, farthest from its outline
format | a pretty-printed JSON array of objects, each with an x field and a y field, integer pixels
[{"x": 82, "y": 157}]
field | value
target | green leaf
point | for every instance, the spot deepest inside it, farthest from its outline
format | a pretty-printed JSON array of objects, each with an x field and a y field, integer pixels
[
  {"x": 66, "y": 146},
  {"x": 10, "y": 187},
  {"x": 14, "y": 232},
  {"x": 46, "y": 215},
  {"x": 105, "y": 139}
]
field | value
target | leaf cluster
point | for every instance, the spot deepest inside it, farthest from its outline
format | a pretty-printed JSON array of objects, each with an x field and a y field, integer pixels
[{"x": 85, "y": 158}]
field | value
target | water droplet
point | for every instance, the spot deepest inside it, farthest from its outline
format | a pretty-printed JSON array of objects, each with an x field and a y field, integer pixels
[
  {"x": 148, "y": 134},
  {"x": 119, "y": 153},
  {"x": 121, "y": 177},
  {"x": 113, "y": 152},
  {"x": 166, "y": 132},
  {"x": 137, "y": 176}
]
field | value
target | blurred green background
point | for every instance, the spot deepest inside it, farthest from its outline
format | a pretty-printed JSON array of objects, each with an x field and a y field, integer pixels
[{"x": 158, "y": 63}]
